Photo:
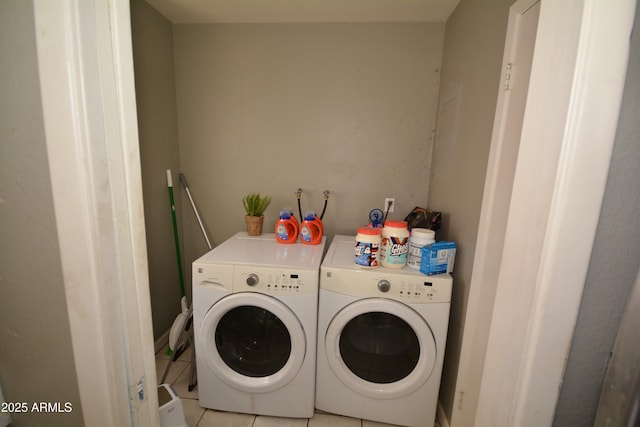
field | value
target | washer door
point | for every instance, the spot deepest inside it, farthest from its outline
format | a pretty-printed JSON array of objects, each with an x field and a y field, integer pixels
[
  {"x": 252, "y": 342},
  {"x": 380, "y": 348}
]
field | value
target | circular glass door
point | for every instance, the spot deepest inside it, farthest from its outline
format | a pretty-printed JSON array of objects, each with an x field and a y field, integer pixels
[
  {"x": 252, "y": 342},
  {"x": 380, "y": 348}
]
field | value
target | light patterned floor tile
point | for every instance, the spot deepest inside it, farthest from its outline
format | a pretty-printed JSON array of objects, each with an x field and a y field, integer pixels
[
  {"x": 162, "y": 354},
  {"x": 174, "y": 371},
  {"x": 264, "y": 421},
  {"x": 178, "y": 377},
  {"x": 330, "y": 420},
  {"x": 181, "y": 384},
  {"x": 192, "y": 411},
  {"x": 213, "y": 418},
  {"x": 185, "y": 356},
  {"x": 367, "y": 423}
]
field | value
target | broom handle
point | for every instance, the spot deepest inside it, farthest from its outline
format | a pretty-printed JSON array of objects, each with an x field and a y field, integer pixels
[
  {"x": 183, "y": 179},
  {"x": 175, "y": 231}
]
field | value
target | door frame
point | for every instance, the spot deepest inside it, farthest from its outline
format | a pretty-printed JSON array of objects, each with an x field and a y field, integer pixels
[
  {"x": 491, "y": 231},
  {"x": 569, "y": 128},
  {"x": 85, "y": 65}
]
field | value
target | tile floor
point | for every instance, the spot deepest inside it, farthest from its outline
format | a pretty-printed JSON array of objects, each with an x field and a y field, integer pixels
[{"x": 178, "y": 377}]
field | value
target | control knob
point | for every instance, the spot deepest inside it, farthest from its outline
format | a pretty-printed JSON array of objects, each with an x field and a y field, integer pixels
[
  {"x": 252, "y": 279},
  {"x": 384, "y": 285}
]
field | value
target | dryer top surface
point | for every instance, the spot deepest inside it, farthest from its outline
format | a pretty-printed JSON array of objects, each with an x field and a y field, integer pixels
[
  {"x": 264, "y": 250},
  {"x": 341, "y": 255}
]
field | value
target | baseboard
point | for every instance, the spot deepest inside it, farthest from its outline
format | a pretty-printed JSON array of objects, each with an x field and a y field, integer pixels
[
  {"x": 442, "y": 415},
  {"x": 162, "y": 342}
]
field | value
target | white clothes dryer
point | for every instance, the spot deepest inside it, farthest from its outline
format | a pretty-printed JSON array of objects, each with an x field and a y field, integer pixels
[
  {"x": 255, "y": 317},
  {"x": 381, "y": 339}
]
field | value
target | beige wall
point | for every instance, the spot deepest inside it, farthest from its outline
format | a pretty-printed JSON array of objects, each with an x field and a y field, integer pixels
[
  {"x": 36, "y": 358},
  {"x": 473, "y": 47},
  {"x": 269, "y": 108},
  {"x": 158, "y": 133}
]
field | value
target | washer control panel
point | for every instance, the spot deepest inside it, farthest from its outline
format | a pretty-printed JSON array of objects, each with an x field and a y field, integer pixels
[{"x": 274, "y": 281}]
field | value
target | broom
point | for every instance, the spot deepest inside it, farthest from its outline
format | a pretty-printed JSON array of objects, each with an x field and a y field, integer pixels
[{"x": 179, "y": 322}]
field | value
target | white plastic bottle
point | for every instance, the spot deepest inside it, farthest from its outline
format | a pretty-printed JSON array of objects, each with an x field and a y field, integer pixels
[
  {"x": 419, "y": 237},
  {"x": 395, "y": 244}
]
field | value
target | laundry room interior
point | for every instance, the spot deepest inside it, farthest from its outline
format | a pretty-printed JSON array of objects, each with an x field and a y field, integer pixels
[
  {"x": 364, "y": 110},
  {"x": 348, "y": 107}
]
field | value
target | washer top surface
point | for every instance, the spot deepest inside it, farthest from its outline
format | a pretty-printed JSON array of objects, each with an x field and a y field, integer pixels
[
  {"x": 342, "y": 275},
  {"x": 264, "y": 250}
]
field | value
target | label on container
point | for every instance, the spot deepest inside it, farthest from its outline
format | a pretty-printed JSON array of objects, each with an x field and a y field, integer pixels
[
  {"x": 305, "y": 233},
  {"x": 415, "y": 254},
  {"x": 395, "y": 250},
  {"x": 366, "y": 254},
  {"x": 282, "y": 232}
]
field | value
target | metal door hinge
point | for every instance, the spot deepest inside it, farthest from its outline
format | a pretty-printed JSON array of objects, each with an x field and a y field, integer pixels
[{"x": 507, "y": 76}]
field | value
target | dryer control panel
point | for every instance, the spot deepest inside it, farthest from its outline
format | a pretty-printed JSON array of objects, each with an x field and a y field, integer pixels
[
  {"x": 409, "y": 288},
  {"x": 340, "y": 274}
]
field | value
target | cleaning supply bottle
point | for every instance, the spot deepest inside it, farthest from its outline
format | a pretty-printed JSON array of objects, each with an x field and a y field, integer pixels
[
  {"x": 286, "y": 227},
  {"x": 293, "y": 217},
  {"x": 311, "y": 229}
]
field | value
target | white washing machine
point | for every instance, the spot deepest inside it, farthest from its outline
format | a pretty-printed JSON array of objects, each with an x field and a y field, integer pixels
[
  {"x": 255, "y": 313},
  {"x": 381, "y": 339}
]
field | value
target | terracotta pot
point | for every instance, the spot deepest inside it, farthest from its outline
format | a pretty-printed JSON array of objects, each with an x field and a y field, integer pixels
[{"x": 254, "y": 225}]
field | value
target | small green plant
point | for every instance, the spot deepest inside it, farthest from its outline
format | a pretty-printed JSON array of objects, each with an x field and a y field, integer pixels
[{"x": 255, "y": 205}]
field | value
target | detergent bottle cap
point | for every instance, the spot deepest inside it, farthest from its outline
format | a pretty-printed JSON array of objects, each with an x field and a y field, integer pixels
[
  {"x": 310, "y": 215},
  {"x": 285, "y": 213}
]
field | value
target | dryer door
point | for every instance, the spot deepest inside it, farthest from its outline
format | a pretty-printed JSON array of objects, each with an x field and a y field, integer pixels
[
  {"x": 252, "y": 342},
  {"x": 380, "y": 348}
]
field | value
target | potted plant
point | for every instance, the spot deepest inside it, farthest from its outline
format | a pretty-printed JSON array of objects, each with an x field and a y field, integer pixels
[{"x": 255, "y": 205}]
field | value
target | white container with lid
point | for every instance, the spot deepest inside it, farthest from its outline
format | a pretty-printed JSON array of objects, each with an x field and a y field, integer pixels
[
  {"x": 395, "y": 244},
  {"x": 419, "y": 237},
  {"x": 368, "y": 241}
]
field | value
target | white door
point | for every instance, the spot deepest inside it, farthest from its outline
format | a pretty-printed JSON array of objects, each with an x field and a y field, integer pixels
[
  {"x": 512, "y": 98},
  {"x": 565, "y": 148},
  {"x": 380, "y": 348},
  {"x": 252, "y": 342}
]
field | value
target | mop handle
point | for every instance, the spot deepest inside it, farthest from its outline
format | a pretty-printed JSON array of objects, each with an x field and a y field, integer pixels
[
  {"x": 175, "y": 231},
  {"x": 183, "y": 179}
]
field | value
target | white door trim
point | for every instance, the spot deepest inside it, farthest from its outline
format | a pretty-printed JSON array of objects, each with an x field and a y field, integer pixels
[
  {"x": 494, "y": 214},
  {"x": 86, "y": 77},
  {"x": 570, "y": 122}
]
